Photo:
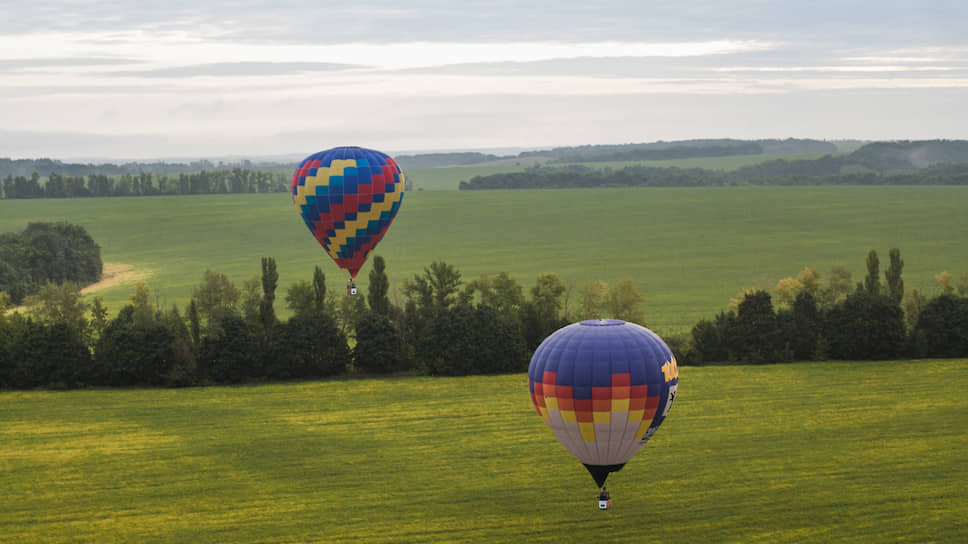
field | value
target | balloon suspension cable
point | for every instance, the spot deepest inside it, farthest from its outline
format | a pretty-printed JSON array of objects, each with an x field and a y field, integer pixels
[{"x": 351, "y": 287}]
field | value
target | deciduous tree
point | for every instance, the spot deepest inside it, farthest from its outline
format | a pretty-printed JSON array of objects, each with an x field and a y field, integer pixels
[
  {"x": 786, "y": 290},
  {"x": 752, "y": 336},
  {"x": 543, "y": 313},
  {"x": 623, "y": 301},
  {"x": 810, "y": 280},
  {"x": 591, "y": 300},
  {"x": 379, "y": 347},
  {"x": 865, "y": 326},
  {"x": 943, "y": 325},
  {"x": 838, "y": 285},
  {"x": 436, "y": 288},
  {"x": 60, "y": 304},
  {"x": 944, "y": 280},
  {"x": 217, "y": 298}
]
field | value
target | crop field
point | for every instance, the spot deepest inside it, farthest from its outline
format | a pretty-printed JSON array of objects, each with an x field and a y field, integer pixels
[
  {"x": 812, "y": 452},
  {"x": 687, "y": 250},
  {"x": 449, "y": 178}
]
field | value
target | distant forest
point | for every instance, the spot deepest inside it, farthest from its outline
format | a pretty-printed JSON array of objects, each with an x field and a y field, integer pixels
[
  {"x": 935, "y": 162},
  {"x": 589, "y": 153},
  {"x": 27, "y": 167},
  {"x": 654, "y": 151},
  {"x": 145, "y": 184}
]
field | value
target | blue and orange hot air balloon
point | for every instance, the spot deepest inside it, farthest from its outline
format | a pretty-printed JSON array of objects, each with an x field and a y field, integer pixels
[
  {"x": 348, "y": 197},
  {"x": 604, "y": 387}
]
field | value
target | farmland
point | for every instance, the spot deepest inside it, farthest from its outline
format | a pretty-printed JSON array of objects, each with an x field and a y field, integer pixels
[
  {"x": 448, "y": 178},
  {"x": 812, "y": 452},
  {"x": 688, "y": 250}
]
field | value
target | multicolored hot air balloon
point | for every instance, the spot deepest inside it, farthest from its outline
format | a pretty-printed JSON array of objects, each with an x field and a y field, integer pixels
[
  {"x": 604, "y": 387},
  {"x": 348, "y": 196}
]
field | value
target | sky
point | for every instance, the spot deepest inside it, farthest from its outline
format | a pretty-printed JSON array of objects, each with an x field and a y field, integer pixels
[{"x": 143, "y": 79}]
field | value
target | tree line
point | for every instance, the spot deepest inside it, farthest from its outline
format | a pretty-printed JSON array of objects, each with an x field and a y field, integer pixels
[
  {"x": 443, "y": 325},
  {"x": 440, "y": 324},
  {"x": 236, "y": 180},
  {"x": 936, "y": 162},
  {"x": 25, "y": 167},
  {"x": 780, "y": 172},
  {"x": 872, "y": 320}
]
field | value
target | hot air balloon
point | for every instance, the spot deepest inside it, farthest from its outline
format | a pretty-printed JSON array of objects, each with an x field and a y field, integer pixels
[
  {"x": 348, "y": 196},
  {"x": 604, "y": 387}
]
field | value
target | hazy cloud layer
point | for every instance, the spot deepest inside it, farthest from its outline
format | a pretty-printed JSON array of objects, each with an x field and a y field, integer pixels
[{"x": 121, "y": 79}]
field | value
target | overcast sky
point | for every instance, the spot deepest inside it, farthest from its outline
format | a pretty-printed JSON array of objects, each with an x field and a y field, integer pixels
[{"x": 128, "y": 79}]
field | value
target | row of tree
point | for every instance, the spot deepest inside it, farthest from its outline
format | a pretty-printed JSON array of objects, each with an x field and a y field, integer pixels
[
  {"x": 47, "y": 253},
  {"x": 25, "y": 167},
  {"x": 778, "y": 172},
  {"x": 236, "y": 181},
  {"x": 229, "y": 334},
  {"x": 447, "y": 326},
  {"x": 873, "y": 320}
]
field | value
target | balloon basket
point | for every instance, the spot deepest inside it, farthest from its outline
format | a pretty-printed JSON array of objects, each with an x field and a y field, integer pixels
[
  {"x": 351, "y": 289},
  {"x": 604, "y": 505}
]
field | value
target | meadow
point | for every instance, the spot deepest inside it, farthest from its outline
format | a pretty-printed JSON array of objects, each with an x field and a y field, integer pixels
[
  {"x": 812, "y": 452},
  {"x": 687, "y": 250}
]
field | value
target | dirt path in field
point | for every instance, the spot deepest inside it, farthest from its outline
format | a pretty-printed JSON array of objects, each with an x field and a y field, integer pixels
[{"x": 112, "y": 275}]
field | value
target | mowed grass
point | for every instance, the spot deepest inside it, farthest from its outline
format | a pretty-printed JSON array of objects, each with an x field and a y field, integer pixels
[
  {"x": 687, "y": 250},
  {"x": 813, "y": 452}
]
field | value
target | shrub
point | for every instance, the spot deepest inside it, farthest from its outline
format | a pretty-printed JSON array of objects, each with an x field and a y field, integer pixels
[
  {"x": 865, "y": 326},
  {"x": 308, "y": 346},
  {"x": 465, "y": 340},
  {"x": 47, "y": 356},
  {"x": 942, "y": 328},
  {"x": 379, "y": 347}
]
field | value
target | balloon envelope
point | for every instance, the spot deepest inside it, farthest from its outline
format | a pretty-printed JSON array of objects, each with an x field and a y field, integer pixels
[
  {"x": 604, "y": 387},
  {"x": 348, "y": 197}
]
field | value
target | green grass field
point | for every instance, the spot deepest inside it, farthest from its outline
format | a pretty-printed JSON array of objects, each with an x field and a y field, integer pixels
[
  {"x": 688, "y": 250},
  {"x": 813, "y": 452}
]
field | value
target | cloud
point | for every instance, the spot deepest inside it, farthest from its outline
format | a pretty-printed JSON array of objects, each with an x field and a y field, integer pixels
[
  {"x": 184, "y": 49},
  {"x": 389, "y": 21},
  {"x": 236, "y": 69},
  {"x": 221, "y": 75},
  {"x": 19, "y": 63}
]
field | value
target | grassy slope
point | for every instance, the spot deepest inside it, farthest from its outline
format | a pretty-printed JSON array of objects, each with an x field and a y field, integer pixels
[
  {"x": 817, "y": 452},
  {"x": 688, "y": 250}
]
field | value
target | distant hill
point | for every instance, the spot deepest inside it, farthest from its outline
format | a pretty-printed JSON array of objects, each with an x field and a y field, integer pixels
[
  {"x": 908, "y": 156},
  {"x": 877, "y": 157},
  {"x": 935, "y": 162},
  {"x": 438, "y": 160},
  {"x": 684, "y": 149},
  {"x": 661, "y": 150},
  {"x": 887, "y": 158}
]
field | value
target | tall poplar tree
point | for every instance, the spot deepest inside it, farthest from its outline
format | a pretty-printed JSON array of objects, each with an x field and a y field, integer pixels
[
  {"x": 270, "y": 279},
  {"x": 379, "y": 287},
  {"x": 872, "y": 283},
  {"x": 895, "y": 285}
]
